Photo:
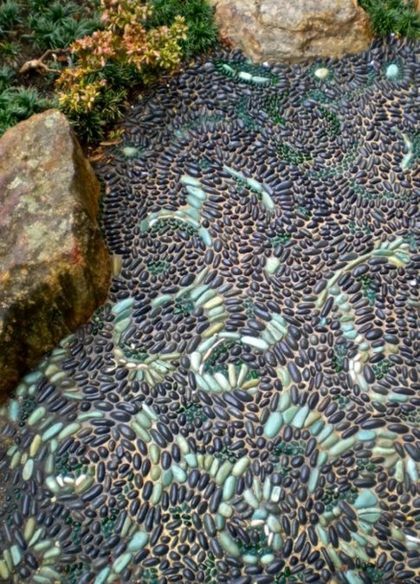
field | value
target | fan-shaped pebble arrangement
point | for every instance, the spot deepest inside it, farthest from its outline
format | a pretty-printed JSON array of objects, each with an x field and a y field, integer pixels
[{"x": 244, "y": 408}]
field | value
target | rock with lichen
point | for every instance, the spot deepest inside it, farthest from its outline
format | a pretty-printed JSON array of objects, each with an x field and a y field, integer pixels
[{"x": 54, "y": 266}]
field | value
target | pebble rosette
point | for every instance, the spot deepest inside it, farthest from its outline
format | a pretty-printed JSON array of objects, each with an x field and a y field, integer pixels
[{"x": 244, "y": 408}]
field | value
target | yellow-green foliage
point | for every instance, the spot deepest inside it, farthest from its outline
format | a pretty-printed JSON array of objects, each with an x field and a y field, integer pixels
[{"x": 124, "y": 51}]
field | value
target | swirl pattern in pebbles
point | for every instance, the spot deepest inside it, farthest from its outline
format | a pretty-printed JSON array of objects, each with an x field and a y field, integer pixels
[{"x": 244, "y": 408}]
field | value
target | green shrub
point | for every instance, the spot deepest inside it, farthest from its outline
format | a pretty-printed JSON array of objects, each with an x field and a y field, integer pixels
[
  {"x": 18, "y": 103},
  {"x": 7, "y": 77},
  {"x": 91, "y": 124},
  {"x": 10, "y": 16},
  {"x": 393, "y": 16},
  {"x": 9, "y": 50},
  {"x": 113, "y": 47},
  {"x": 198, "y": 16},
  {"x": 58, "y": 25},
  {"x": 111, "y": 60}
]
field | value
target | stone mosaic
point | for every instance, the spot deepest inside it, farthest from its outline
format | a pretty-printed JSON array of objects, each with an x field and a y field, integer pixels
[{"x": 244, "y": 408}]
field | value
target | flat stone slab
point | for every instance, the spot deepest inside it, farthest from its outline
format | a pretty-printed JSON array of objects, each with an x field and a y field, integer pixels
[
  {"x": 54, "y": 266},
  {"x": 244, "y": 407}
]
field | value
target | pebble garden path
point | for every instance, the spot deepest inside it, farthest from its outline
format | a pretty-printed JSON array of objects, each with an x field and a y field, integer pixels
[{"x": 244, "y": 409}]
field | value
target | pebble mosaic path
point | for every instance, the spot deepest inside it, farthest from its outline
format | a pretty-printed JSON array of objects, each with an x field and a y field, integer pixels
[{"x": 244, "y": 409}]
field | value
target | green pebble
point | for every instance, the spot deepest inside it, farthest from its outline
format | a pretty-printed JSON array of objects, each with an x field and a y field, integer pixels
[
  {"x": 14, "y": 410},
  {"x": 4, "y": 572},
  {"x": 251, "y": 499},
  {"x": 186, "y": 179},
  {"x": 272, "y": 265},
  {"x": 53, "y": 552},
  {"x": 205, "y": 236},
  {"x": 342, "y": 446},
  {"x": 36, "y": 415},
  {"x": 179, "y": 474},
  {"x": 229, "y": 488},
  {"x": 122, "y": 325},
  {"x": 313, "y": 480},
  {"x": 191, "y": 459},
  {"x": 371, "y": 516},
  {"x": 245, "y": 76},
  {"x": 101, "y": 578},
  {"x": 300, "y": 417},
  {"x": 228, "y": 544},
  {"x": 352, "y": 577},
  {"x": 225, "y": 510},
  {"x": 366, "y": 435},
  {"x": 167, "y": 478},
  {"x": 32, "y": 377},
  {"x": 277, "y": 543},
  {"x": 260, "y": 514},
  {"x": 365, "y": 499},
  {"x": 240, "y": 466},
  {"x": 317, "y": 427},
  {"x": 16, "y": 554},
  {"x": 122, "y": 562},
  {"x": 254, "y": 185},
  {"x": 267, "y": 201},
  {"x": 28, "y": 469},
  {"x": 352, "y": 334},
  {"x": 274, "y": 524},
  {"x": 38, "y": 579},
  {"x": 52, "y": 431},
  {"x": 68, "y": 430},
  {"x": 194, "y": 202},
  {"x": 154, "y": 453},
  {"x": 273, "y": 424},
  {"x": 392, "y": 71},
  {"x": 223, "y": 472},
  {"x": 52, "y": 484},
  {"x": 144, "y": 420},
  {"x": 197, "y": 193},
  {"x": 325, "y": 433},
  {"x": 157, "y": 494},
  {"x": 289, "y": 414},
  {"x": 130, "y": 151},
  {"x": 255, "y": 342},
  {"x": 50, "y": 573},
  {"x": 138, "y": 541}
]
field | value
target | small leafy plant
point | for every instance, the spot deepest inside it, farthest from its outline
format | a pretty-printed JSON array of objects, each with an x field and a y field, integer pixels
[
  {"x": 18, "y": 103},
  {"x": 198, "y": 16},
  {"x": 7, "y": 76},
  {"x": 393, "y": 16},
  {"x": 59, "y": 24},
  {"x": 107, "y": 62},
  {"x": 10, "y": 16}
]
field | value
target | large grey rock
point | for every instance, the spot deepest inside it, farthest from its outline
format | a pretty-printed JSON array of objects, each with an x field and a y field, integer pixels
[
  {"x": 54, "y": 266},
  {"x": 293, "y": 30}
]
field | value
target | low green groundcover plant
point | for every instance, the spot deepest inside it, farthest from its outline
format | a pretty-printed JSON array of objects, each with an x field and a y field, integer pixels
[
  {"x": 18, "y": 103},
  {"x": 393, "y": 17}
]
